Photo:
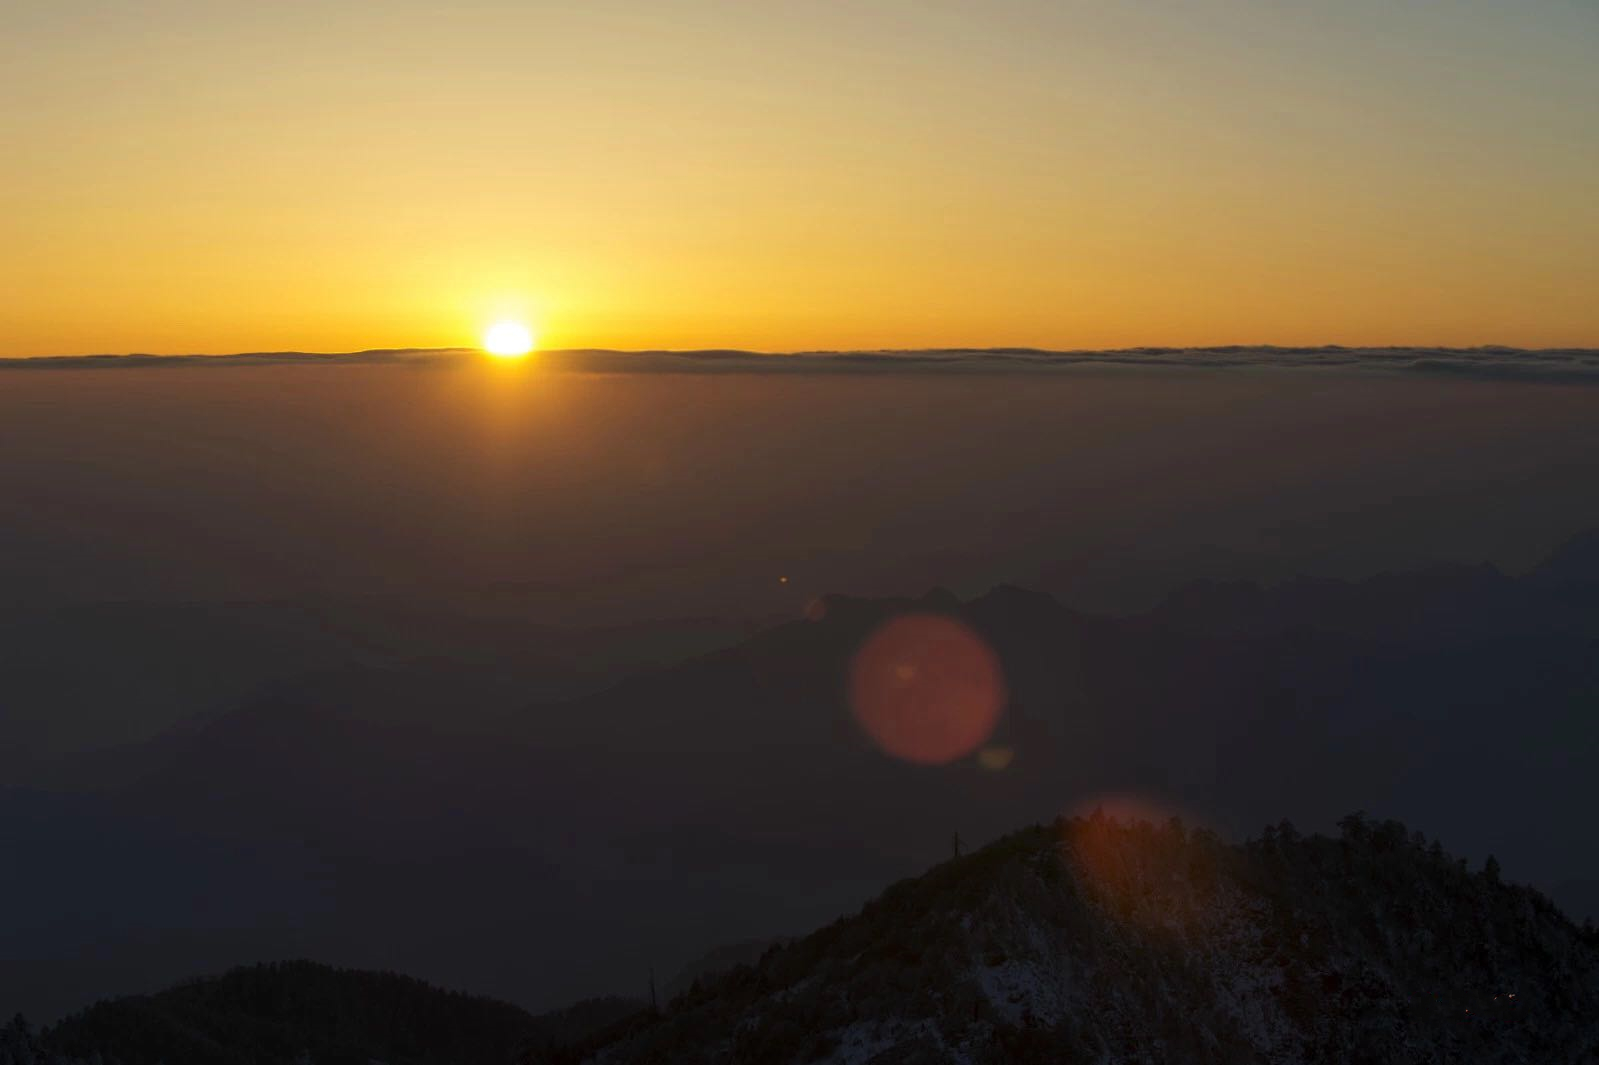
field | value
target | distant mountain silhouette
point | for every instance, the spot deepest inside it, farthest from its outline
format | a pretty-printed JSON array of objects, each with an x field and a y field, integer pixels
[
  {"x": 294, "y": 1012},
  {"x": 1092, "y": 939},
  {"x": 1577, "y": 560},
  {"x": 158, "y": 665},
  {"x": 733, "y": 796}
]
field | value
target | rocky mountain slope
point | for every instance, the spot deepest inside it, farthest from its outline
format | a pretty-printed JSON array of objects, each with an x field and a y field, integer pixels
[{"x": 1096, "y": 940}]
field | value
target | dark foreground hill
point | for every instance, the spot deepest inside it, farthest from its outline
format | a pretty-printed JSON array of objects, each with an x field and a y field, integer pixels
[
  {"x": 1095, "y": 941},
  {"x": 302, "y": 1012}
]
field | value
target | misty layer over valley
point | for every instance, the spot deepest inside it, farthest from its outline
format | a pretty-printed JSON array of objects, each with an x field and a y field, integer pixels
[{"x": 527, "y": 681}]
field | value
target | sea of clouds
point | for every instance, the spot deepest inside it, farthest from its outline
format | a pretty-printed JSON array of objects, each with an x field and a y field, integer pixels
[{"x": 1576, "y": 365}]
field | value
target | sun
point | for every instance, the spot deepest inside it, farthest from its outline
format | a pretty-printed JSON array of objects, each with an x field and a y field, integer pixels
[{"x": 508, "y": 340}]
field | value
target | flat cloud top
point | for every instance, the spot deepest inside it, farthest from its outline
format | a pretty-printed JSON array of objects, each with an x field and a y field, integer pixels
[{"x": 1576, "y": 365}]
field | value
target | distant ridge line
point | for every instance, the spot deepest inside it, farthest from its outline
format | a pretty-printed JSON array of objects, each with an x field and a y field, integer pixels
[{"x": 1561, "y": 365}]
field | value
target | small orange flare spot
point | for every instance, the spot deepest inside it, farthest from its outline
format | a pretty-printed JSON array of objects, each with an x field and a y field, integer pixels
[
  {"x": 782, "y": 580},
  {"x": 995, "y": 758},
  {"x": 1110, "y": 840},
  {"x": 926, "y": 688}
]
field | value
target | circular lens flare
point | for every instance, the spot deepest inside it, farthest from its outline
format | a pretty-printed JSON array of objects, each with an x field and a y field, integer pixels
[
  {"x": 508, "y": 340},
  {"x": 926, "y": 688}
]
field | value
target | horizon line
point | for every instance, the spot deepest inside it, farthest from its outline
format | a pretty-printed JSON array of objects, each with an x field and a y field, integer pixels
[
  {"x": 1569, "y": 365},
  {"x": 1030, "y": 349}
]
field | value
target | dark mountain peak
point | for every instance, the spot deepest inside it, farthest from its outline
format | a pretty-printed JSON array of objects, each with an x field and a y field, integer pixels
[
  {"x": 1012, "y": 608},
  {"x": 1099, "y": 939},
  {"x": 296, "y": 1011},
  {"x": 839, "y": 608},
  {"x": 1015, "y": 596}
]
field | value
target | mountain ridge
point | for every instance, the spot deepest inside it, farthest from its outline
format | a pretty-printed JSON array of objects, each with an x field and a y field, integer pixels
[
  {"x": 1121, "y": 941},
  {"x": 1097, "y": 937}
]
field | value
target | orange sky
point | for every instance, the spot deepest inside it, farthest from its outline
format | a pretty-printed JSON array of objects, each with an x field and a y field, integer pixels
[{"x": 226, "y": 176}]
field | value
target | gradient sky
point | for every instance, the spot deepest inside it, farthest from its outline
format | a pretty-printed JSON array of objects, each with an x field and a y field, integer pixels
[{"x": 223, "y": 176}]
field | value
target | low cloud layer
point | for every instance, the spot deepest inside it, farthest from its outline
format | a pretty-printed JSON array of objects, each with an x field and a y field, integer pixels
[{"x": 1575, "y": 365}]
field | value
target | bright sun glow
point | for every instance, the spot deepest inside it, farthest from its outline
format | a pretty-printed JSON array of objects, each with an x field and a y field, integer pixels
[{"x": 508, "y": 340}]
